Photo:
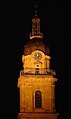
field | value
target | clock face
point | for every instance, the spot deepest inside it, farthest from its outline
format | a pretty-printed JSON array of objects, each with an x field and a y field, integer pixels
[{"x": 37, "y": 56}]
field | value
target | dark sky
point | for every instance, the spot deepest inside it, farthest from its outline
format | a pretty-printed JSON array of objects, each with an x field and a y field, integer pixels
[
  {"x": 4, "y": 8},
  {"x": 55, "y": 19}
]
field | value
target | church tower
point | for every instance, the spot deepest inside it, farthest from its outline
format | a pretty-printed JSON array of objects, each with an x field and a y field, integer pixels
[{"x": 36, "y": 81}]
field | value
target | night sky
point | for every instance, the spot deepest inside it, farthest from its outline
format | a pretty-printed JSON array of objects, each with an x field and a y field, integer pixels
[
  {"x": 55, "y": 24},
  {"x": 4, "y": 8}
]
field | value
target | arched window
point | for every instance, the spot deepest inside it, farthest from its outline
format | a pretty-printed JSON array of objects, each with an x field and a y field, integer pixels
[{"x": 38, "y": 99}]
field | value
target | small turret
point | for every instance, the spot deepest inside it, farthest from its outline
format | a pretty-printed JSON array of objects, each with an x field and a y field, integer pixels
[{"x": 36, "y": 26}]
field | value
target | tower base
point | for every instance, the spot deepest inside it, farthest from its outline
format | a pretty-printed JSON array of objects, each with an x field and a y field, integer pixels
[{"x": 35, "y": 115}]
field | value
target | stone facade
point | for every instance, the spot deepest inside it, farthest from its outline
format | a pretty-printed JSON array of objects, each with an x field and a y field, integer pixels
[{"x": 28, "y": 85}]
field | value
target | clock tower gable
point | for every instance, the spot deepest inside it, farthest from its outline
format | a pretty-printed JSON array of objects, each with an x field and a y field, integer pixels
[{"x": 37, "y": 60}]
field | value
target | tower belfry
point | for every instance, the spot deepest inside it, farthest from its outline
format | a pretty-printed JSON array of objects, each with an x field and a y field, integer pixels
[{"x": 36, "y": 81}]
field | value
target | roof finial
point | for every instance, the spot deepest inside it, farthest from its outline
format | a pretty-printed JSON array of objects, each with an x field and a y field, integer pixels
[{"x": 36, "y": 7}]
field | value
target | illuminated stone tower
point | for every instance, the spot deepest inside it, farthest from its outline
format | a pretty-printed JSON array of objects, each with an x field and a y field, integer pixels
[{"x": 36, "y": 81}]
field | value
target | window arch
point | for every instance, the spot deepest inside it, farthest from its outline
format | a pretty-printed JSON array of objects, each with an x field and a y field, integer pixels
[{"x": 38, "y": 99}]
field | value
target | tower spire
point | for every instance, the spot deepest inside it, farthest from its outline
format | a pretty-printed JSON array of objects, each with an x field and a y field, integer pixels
[
  {"x": 36, "y": 7},
  {"x": 36, "y": 24}
]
